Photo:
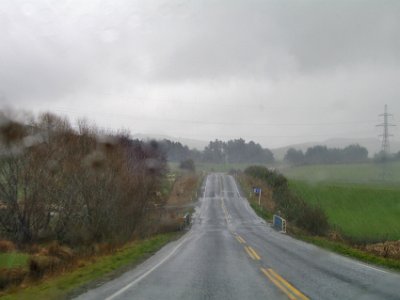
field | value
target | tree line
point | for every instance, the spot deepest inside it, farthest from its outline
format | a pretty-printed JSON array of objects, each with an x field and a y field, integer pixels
[
  {"x": 382, "y": 157},
  {"x": 76, "y": 186},
  {"x": 324, "y": 155},
  {"x": 240, "y": 151},
  {"x": 232, "y": 151}
]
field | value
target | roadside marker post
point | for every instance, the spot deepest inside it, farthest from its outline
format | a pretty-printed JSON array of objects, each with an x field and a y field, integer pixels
[{"x": 279, "y": 223}]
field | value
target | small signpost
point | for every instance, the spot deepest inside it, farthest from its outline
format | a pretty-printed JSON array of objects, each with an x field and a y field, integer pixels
[{"x": 258, "y": 191}]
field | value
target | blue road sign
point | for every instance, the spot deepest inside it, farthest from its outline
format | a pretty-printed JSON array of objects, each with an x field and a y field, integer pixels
[{"x": 256, "y": 190}]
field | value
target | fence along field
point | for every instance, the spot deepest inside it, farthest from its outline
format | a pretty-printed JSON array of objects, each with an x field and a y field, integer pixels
[{"x": 358, "y": 205}]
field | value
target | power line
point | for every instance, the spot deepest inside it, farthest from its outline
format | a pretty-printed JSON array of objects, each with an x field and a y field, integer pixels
[{"x": 108, "y": 114}]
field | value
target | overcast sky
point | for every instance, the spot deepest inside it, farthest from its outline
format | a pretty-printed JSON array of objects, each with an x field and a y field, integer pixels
[{"x": 277, "y": 72}]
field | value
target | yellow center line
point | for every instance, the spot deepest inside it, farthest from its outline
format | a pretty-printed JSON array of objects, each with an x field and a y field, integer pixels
[
  {"x": 288, "y": 285},
  {"x": 226, "y": 214},
  {"x": 241, "y": 239},
  {"x": 255, "y": 254},
  {"x": 249, "y": 252},
  {"x": 283, "y": 285}
]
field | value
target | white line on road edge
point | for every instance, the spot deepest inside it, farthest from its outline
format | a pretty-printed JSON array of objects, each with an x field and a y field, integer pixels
[
  {"x": 205, "y": 187},
  {"x": 237, "y": 190},
  {"x": 370, "y": 267},
  {"x": 146, "y": 273}
]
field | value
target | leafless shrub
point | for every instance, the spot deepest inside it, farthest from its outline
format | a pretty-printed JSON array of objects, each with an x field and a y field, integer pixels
[
  {"x": 6, "y": 246},
  {"x": 62, "y": 252},
  {"x": 41, "y": 265},
  {"x": 12, "y": 277},
  {"x": 77, "y": 187}
]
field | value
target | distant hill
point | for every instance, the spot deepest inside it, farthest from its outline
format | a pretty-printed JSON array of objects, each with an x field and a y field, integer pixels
[
  {"x": 372, "y": 144},
  {"x": 191, "y": 143}
]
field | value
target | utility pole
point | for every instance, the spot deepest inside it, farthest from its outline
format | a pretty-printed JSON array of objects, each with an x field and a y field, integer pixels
[{"x": 385, "y": 152}]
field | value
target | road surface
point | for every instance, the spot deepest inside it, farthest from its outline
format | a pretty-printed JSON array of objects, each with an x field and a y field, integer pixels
[{"x": 230, "y": 253}]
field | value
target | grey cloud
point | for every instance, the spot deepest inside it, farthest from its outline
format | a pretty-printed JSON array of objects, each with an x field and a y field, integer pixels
[
  {"x": 227, "y": 65},
  {"x": 275, "y": 38}
]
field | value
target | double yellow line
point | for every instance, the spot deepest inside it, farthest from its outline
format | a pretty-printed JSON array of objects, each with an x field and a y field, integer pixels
[
  {"x": 289, "y": 290},
  {"x": 252, "y": 253},
  {"x": 249, "y": 250},
  {"x": 240, "y": 239},
  {"x": 283, "y": 285}
]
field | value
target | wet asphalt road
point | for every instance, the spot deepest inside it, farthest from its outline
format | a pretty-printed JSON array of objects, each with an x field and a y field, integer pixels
[{"x": 230, "y": 253}]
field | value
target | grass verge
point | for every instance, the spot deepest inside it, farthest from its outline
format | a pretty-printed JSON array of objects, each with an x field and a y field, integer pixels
[
  {"x": 13, "y": 260},
  {"x": 337, "y": 247},
  {"x": 351, "y": 252},
  {"x": 261, "y": 212},
  {"x": 334, "y": 246},
  {"x": 63, "y": 285}
]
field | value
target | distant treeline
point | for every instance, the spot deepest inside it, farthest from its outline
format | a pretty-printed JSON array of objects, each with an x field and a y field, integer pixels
[
  {"x": 240, "y": 151},
  {"x": 77, "y": 186},
  {"x": 324, "y": 155},
  {"x": 383, "y": 157},
  {"x": 233, "y": 151}
]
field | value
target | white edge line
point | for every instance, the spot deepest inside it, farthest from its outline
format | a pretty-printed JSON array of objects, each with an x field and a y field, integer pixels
[
  {"x": 237, "y": 189},
  {"x": 205, "y": 188},
  {"x": 370, "y": 267},
  {"x": 146, "y": 273}
]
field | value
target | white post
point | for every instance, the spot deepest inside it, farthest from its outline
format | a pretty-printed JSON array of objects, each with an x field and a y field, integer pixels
[{"x": 259, "y": 198}]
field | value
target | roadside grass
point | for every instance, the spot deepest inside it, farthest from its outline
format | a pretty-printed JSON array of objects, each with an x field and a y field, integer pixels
[
  {"x": 352, "y": 252},
  {"x": 360, "y": 213},
  {"x": 184, "y": 189},
  {"x": 261, "y": 212},
  {"x": 246, "y": 185},
  {"x": 13, "y": 260},
  {"x": 60, "y": 286},
  {"x": 336, "y": 246},
  {"x": 366, "y": 173}
]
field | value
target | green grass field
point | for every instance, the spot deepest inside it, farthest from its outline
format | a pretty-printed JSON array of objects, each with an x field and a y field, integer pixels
[
  {"x": 13, "y": 260},
  {"x": 367, "y": 173},
  {"x": 359, "y": 212}
]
